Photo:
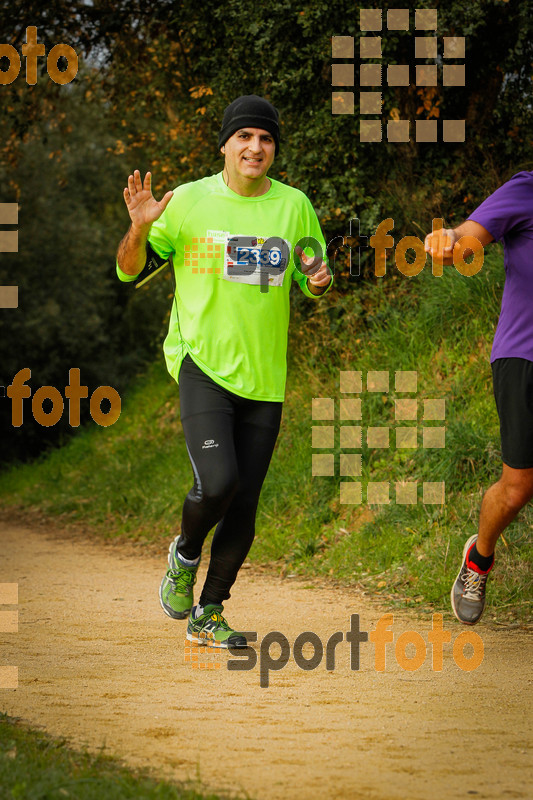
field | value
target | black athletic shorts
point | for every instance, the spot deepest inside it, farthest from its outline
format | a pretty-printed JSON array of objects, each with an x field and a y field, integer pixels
[{"x": 513, "y": 392}]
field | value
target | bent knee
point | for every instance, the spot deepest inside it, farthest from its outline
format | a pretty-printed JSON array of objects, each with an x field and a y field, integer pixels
[
  {"x": 517, "y": 495},
  {"x": 219, "y": 490},
  {"x": 517, "y": 486},
  {"x": 518, "y": 498}
]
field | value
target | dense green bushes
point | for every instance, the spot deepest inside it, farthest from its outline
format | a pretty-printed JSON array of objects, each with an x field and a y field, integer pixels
[{"x": 152, "y": 85}]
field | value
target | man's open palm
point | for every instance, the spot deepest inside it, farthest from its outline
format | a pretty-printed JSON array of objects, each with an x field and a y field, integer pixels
[{"x": 143, "y": 208}]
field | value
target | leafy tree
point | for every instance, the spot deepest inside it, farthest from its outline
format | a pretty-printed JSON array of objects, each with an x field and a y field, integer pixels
[{"x": 153, "y": 82}]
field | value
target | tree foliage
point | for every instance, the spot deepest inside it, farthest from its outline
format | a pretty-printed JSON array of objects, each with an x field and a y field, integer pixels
[{"x": 152, "y": 85}]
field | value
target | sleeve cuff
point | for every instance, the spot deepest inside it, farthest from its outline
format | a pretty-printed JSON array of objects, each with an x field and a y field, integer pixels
[
  {"x": 309, "y": 293},
  {"x": 124, "y": 276}
]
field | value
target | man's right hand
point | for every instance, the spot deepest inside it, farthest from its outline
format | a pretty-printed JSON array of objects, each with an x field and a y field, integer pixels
[
  {"x": 440, "y": 244},
  {"x": 143, "y": 209},
  {"x": 142, "y": 206},
  {"x": 443, "y": 244}
]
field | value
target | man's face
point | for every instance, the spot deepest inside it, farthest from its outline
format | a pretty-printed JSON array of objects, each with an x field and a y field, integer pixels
[{"x": 250, "y": 152}]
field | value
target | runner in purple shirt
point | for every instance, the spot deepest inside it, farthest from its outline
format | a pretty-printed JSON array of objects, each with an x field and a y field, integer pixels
[{"x": 507, "y": 216}]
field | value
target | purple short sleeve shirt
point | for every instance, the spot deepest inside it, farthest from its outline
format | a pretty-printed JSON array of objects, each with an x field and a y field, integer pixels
[{"x": 508, "y": 215}]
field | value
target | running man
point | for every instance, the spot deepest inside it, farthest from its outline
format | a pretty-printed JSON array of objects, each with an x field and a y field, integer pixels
[
  {"x": 227, "y": 342},
  {"x": 506, "y": 215}
]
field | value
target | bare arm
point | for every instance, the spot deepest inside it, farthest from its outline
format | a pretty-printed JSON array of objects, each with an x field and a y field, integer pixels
[
  {"x": 443, "y": 243},
  {"x": 143, "y": 209},
  {"x": 131, "y": 255}
]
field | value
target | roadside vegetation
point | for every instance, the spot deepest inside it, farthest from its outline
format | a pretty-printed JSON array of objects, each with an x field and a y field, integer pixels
[
  {"x": 152, "y": 85},
  {"x": 34, "y": 766},
  {"x": 128, "y": 480}
]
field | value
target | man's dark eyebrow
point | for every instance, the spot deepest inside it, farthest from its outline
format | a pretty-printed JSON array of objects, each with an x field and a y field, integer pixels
[{"x": 263, "y": 135}]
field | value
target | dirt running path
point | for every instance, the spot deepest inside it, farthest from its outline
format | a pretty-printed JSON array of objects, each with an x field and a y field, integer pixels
[{"x": 99, "y": 663}]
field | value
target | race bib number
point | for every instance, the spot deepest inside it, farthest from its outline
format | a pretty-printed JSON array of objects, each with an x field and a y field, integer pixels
[{"x": 256, "y": 261}]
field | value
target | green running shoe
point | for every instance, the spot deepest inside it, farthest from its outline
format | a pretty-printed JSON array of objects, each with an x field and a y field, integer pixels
[
  {"x": 212, "y": 629},
  {"x": 176, "y": 590}
]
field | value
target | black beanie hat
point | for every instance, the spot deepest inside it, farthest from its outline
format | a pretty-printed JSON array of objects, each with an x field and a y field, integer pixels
[{"x": 249, "y": 111}]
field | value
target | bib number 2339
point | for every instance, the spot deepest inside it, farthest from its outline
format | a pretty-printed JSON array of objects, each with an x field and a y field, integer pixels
[{"x": 255, "y": 260}]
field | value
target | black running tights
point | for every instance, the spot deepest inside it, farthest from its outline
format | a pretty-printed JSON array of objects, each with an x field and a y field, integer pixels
[{"x": 230, "y": 441}]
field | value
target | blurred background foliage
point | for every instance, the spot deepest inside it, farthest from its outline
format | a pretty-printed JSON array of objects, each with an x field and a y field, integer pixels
[{"x": 153, "y": 81}]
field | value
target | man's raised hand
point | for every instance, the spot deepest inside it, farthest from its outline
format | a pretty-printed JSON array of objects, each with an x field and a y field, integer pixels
[{"x": 142, "y": 206}]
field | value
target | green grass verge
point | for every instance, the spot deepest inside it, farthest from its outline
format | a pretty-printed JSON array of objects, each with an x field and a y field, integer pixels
[
  {"x": 129, "y": 480},
  {"x": 34, "y": 766}
]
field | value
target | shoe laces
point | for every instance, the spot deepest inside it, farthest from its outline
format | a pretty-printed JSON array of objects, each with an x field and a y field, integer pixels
[
  {"x": 474, "y": 584},
  {"x": 182, "y": 579},
  {"x": 221, "y": 622}
]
